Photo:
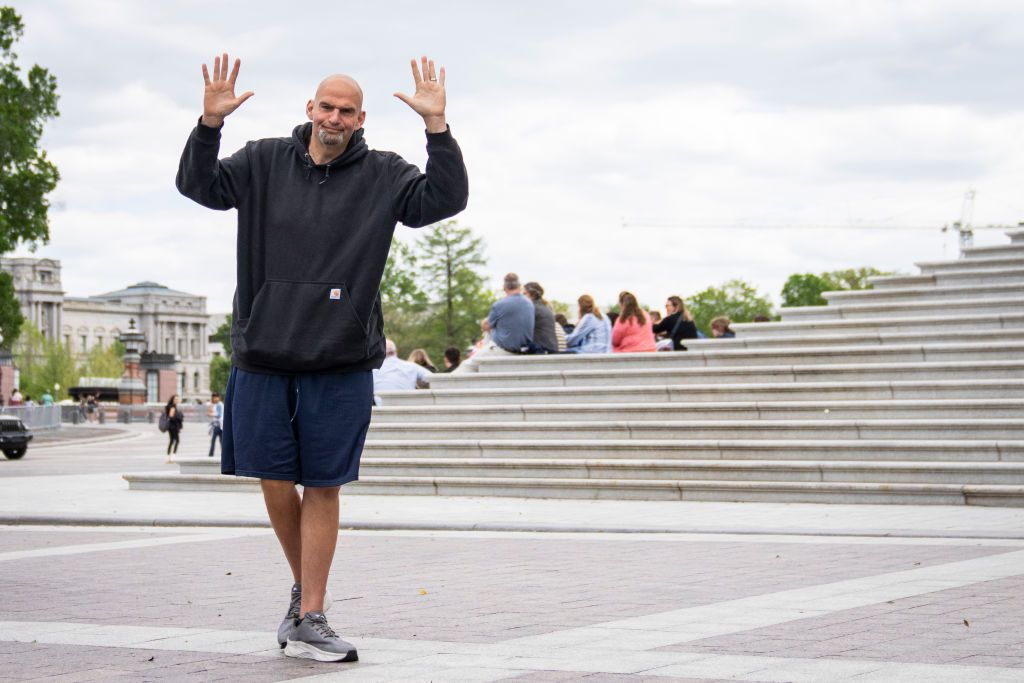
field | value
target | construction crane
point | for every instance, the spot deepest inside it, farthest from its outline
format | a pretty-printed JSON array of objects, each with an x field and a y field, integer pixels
[{"x": 964, "y": 227}]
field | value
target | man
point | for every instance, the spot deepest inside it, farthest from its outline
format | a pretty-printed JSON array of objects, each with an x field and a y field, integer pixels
[
  {"x": 396, "y": 374},
  {"x": 215, "y": 413},
  {"x": 545, "y": 329},
  {"x": 509, "y": 324},
  {"x": 316, "y": 214}
]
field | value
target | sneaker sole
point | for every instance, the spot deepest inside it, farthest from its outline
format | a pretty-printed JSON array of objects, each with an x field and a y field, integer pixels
[{"x": 302, "y": 650}]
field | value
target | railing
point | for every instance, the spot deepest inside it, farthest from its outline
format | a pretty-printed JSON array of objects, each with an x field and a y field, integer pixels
[
  {"x": 112, "y": 412},
  {"x": 36, "y": 418}
]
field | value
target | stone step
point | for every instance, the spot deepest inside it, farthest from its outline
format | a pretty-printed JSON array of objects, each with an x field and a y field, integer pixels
[
  {"x": 989, "y": 305},
  {"x": 708, "y": 449},
  {"x": 685, "y": 411},
  {"x": 951, "y": 292},
  {"x": 974, "y": 264},
  {"x": 764, "y": 374},
  {"x": 708, "y": 393},
  {"x": 1000, "y": 473},
  {"x": 994, "y": 250},
  {"x": 866, "y": 450},
  {"x": 752, "y": 340},
  {"x": 950, "y": 278},
  {"x": 627, "y": 489},
  {"x": 724, "y": 355},
  {"x": 993, "y": 429},
  {"x": 967, "y": 325}
]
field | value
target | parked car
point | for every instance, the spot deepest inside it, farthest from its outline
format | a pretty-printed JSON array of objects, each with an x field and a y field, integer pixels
[{"x": 14, "y": 437}]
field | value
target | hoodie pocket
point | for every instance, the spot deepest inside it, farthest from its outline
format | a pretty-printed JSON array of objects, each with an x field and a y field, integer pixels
[{"x": 301, "y": 327}]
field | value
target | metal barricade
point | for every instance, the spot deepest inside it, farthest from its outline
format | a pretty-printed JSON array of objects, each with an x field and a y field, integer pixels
[{"x": 36, "y": 418}]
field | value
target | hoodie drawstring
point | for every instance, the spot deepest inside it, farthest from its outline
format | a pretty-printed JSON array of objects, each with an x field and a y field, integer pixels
[{"x": 309, "y": 169}]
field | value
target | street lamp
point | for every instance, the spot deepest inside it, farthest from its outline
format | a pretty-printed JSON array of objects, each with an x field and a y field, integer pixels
[{"x": 130, "y": 390}]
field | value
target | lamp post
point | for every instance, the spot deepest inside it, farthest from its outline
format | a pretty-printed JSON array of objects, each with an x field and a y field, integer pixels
[{"x": 131, "y": 391}]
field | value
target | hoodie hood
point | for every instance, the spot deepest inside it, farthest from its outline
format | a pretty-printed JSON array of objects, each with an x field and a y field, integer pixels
[{"x": 356, "y": 150}]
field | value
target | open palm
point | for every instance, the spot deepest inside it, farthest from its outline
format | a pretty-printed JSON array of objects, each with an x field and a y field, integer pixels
[
  {"x": 429, "y": 99},
  {"x": 219, "y": 98}
]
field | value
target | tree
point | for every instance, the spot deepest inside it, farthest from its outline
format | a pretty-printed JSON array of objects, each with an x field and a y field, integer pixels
[
  {"x": 220, "y": 370},
  {"x": 26, "y": 176},
  {"x": 406, "y": 308},
  {"x": 11, "y": 318},
  {"x": 220, "y": 366},
  {"x": 738, "y": 300},
  {"x": 449, "y": 259},
  {"x": 806, "y": 289},
  {"x": 104, "y": 361},
  {"x": 45, "y": 363},
  {"x": 223, "y": 335}
]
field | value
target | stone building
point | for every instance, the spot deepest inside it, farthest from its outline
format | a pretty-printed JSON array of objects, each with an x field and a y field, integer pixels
[{"x": 174, "y": 323}]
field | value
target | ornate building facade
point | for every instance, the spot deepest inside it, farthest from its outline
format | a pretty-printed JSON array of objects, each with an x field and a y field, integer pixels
[{"x": 174, "y": 323}]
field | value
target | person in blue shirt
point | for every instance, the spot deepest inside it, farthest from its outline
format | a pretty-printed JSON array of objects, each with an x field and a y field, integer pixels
[
  {"x": 215, "y": 411},
  {"x": 593, "y": 333}
]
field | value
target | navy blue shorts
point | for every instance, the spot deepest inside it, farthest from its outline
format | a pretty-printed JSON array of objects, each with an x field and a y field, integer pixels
[{"x": 306, "y": 428}]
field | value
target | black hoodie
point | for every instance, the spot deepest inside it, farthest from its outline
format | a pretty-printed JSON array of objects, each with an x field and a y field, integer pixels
[{"x": 313, "y": 240}]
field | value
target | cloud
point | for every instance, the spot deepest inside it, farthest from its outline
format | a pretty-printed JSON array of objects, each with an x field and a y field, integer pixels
[{"x": 660, "y": 114}]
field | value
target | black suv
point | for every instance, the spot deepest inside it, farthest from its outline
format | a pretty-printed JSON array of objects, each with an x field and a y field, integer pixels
[{"x": 14, "y": 437}]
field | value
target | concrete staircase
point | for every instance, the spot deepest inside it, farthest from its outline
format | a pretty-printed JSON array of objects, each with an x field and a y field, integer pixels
[{"x": 912, "y": 392}]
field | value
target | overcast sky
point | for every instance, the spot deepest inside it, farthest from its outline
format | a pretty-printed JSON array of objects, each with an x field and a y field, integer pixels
[{"x": 597, "y": 134}]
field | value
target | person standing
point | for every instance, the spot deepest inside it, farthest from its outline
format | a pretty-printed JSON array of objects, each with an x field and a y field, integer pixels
[
  {"x": 175, "y": 422},
  {"x": 215, "y": 413},
  {"x": 316, "y": 215}
]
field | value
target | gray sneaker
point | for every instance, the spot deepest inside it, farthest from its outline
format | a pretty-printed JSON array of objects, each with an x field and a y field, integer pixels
[
  {"x": 313, "y": 638},
  {"x": 291, "y": 618}
]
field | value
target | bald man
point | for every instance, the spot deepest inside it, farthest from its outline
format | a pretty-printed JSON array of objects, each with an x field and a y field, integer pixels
[{"x": 316, "y": 214}]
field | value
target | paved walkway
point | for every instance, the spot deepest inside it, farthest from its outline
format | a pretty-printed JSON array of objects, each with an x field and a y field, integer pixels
[{"x": 751, "y": 592}]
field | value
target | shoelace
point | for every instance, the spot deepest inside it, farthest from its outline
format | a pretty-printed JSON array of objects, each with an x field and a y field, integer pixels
[
  {"x": 295, "y": 606},
  {"x": 322, "y": 627}
]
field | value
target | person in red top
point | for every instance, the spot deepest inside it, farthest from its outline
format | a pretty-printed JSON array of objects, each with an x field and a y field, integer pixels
[{"x": 633, "y": 330}]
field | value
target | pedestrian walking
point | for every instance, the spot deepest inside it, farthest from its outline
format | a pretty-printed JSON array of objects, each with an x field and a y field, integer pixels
[
  {"x": 316, "y": 215},
  {"x": 175, "y": 423},
  {"x": 215, "y": 411}
]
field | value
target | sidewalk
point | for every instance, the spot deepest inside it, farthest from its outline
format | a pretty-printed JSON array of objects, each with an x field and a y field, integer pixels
[{"x": 716, "y": 591}]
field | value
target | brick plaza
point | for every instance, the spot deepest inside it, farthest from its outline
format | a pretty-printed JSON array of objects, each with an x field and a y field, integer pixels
[{"x": 752, "y": 592}]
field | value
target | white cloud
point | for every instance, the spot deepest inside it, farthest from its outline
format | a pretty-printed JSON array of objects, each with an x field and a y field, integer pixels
[{"x": 653, "y": 112}]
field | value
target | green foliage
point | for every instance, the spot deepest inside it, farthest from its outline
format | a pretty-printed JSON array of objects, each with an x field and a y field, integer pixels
[
  {"x": 738, "y": 300},
  {"x": 220, "y": 368},
  {"x": 433, "y": 292},
  {"x": 43, "y": 363},
  {"x": 223, "y": 335},
  {"x": 104, "y": 361},
  {"x": 26, "y": 176},
  {"x": 11, "y": 318},
  {"x": 568, "y": 310},
  {"x": 806, "y": 289}
]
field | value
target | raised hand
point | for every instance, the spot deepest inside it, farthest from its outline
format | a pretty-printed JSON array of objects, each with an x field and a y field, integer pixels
[
  {"x": 219, "y": 97},
  {"x": 429, "y": 100}
]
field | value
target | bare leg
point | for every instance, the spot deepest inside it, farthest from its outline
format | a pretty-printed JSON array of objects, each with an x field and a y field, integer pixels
[
  {"x": 320, "y": 509},
  {"x": 285, "y": 509}
]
